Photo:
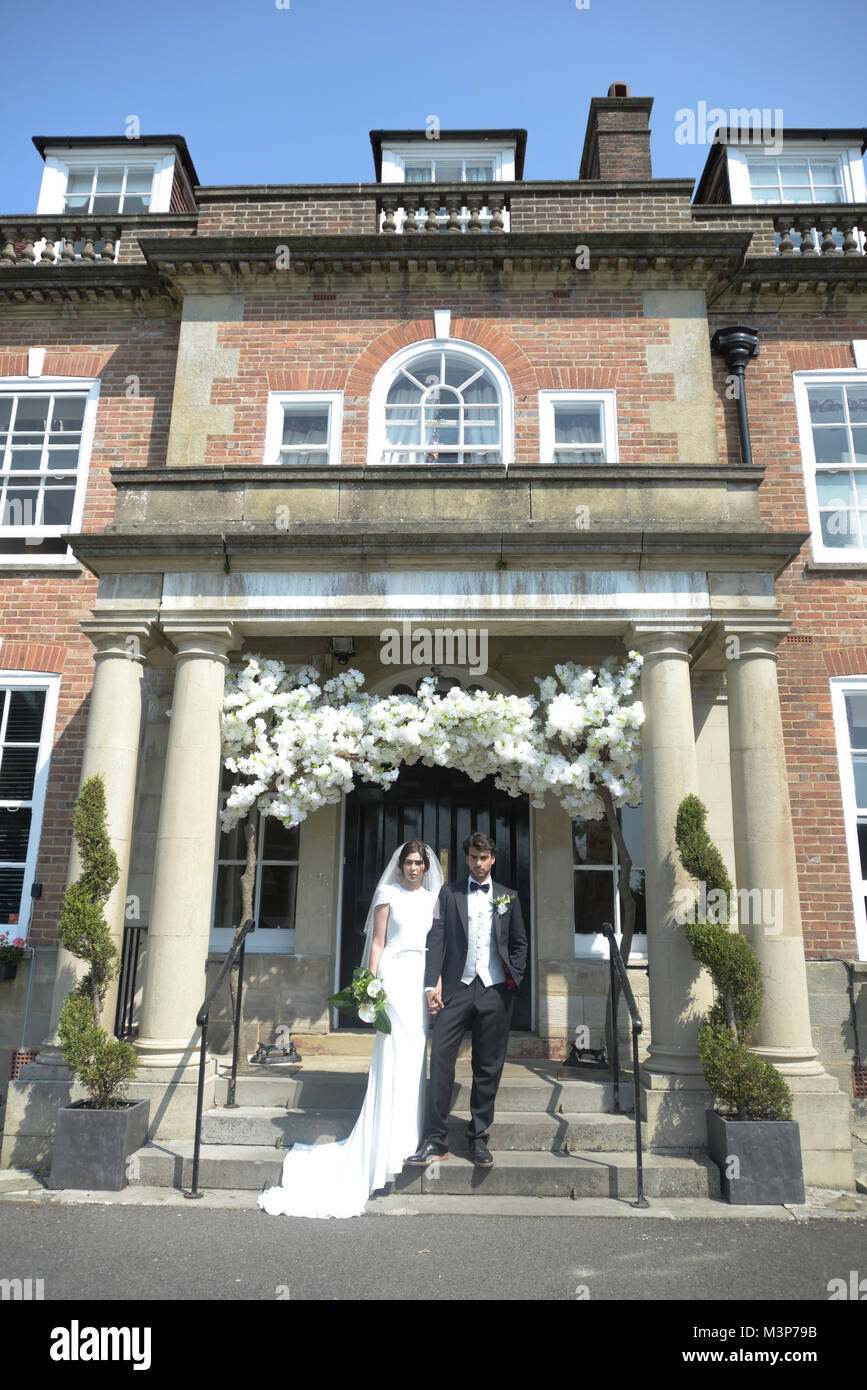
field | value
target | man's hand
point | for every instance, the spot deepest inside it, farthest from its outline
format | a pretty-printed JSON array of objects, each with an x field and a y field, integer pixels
[{"x": 435, "y": 998}]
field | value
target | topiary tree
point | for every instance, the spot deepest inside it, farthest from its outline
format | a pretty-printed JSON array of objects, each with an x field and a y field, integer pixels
[
  {"x": 744, "y": 1083},
  {"x": 103, "y": 1064}
]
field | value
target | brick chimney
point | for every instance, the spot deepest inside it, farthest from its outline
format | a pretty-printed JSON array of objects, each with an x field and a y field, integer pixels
[{"x": 617, "y": 142}]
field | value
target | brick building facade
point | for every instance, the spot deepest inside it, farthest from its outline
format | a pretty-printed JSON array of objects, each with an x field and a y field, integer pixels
[{"x": 238, "y": 489}]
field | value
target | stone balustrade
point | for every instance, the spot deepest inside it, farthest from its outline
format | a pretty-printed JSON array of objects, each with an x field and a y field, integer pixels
[
  {"x": 831, "y": 229},
  {"x": 57, "y": 241},
  {"x": 444, "y": 208}
]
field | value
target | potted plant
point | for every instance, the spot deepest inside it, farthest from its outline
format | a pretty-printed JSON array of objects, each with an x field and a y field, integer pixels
[
  {"x": 751, "y": 1134},
  {"x": 11, "y": 951},
  {"x": 94, "y": 1137}
]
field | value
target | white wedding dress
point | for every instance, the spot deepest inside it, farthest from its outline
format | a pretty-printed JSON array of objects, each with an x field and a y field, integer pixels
[{"x": 336, "y": 1179}]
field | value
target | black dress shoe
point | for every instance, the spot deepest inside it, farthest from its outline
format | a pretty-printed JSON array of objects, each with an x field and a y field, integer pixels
[
  {"x": 427, "y": 1152},
  {"x": 481, "y": 1154}
]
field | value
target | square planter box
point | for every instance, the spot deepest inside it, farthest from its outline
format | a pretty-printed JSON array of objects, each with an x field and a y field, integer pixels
[
  {"x": 8, "y": 971},
  {"x": 759, "y": 1160},
  {"x": 91, "y": 1146}
]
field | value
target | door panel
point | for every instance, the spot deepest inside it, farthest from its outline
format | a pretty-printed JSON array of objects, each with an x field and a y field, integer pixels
[{"x": 441, "y": 807}]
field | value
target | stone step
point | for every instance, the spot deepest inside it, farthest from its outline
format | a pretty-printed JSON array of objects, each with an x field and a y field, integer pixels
[
  {"x": 521, "y": 1088},
  {"x": 168, "y": 1163},
  {"x": 358, "y": 1042},
  {"x": 529, "y": 1131}
]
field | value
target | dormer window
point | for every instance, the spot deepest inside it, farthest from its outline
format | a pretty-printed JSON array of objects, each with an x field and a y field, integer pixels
[
  {"x": 109, "y": 187},
  {"x": 450, "y": 170},
  {"x": 796, "y": 180}
]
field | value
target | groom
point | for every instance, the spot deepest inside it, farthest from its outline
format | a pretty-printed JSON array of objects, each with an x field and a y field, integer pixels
[{"x": 476, "y": 958}]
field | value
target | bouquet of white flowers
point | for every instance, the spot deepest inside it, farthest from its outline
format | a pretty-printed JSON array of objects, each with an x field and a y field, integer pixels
[{"x": 365, "y": 998}]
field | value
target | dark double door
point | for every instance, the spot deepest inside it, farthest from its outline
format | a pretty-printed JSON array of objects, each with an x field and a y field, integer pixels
[{"x": 441, "y": 807}]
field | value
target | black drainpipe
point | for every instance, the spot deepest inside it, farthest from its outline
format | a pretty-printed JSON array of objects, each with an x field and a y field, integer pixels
[{"x": 737, "y": 346}]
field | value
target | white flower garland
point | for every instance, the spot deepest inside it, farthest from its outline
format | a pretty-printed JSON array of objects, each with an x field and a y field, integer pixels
[{"x": 296, "y": 745}]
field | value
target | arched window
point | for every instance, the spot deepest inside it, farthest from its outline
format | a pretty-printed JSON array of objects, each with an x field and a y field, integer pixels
[{"x": 441, "y": 403}]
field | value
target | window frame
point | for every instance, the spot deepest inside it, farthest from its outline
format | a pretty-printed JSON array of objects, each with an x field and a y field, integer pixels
[
  {"x": 841, "y": 686},
  {"x": 33, "y": 680},
  {"x": 64, "y": 161},
  {"x": 396, "y": 157},
  {"x": 547, "y": 432},
  {"x": 86, "y": 387},
  {"x": 842, "y": 376},
  {"x": 594, "y": 945},
  {"x": 377, "y": 442},
  {"x": 277, "y": 400},
  {"x": 270, "y": 941},
  {"x": 847, "y": 156}
]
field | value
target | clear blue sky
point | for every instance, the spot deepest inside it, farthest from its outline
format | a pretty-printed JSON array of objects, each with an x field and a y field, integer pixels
[{"x": 268, "y": 95}]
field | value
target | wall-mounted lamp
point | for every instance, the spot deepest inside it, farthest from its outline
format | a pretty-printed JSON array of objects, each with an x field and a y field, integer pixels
[{"x": 343, "y": 648}]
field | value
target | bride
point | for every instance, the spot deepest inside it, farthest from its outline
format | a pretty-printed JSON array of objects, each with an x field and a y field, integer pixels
[{"x": 337, "y": 1179}]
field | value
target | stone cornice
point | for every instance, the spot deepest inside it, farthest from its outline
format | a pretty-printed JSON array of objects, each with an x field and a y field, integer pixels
[
  {"x": 82, "y": 284},
  {"x": 424, "y": 475},
  {"x": 516, "y": 546}
]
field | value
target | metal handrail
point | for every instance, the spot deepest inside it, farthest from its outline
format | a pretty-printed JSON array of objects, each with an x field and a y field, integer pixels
[
  {"x": 236, "y": 949},
  {"x": 618, "y": 969}
]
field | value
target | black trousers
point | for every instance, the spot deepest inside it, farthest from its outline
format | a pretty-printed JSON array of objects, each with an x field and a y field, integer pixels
[{"x": 487, "y": 1010}]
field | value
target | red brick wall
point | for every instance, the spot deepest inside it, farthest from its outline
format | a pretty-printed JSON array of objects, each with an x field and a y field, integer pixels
[
  {"x": 828, "y": 610},
  {"x": 544, "y": 341},
  {"x": 41, "y": 612}
]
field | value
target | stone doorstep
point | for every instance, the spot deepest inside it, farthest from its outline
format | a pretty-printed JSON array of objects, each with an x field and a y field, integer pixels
[
  {"x": 252, "y": 1168},
  {"x": 531, "y": 1132},
  {"x": 329, "y": 1089},
  {"x": 359, "y": 1043}
]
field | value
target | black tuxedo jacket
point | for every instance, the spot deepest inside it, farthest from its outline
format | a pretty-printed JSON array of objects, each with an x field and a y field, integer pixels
[{"x": 448, "y": 938}]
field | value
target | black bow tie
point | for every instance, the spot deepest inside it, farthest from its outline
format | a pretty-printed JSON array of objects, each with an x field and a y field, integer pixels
[{"x": 479, "y": 887}]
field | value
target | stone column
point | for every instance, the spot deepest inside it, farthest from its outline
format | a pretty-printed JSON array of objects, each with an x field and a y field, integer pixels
[
  {"x": 180, "y": 920},
  {"x": 111, "y": 748},
  {"x": 769, "y": 912},
  {"x": 674, "y": 1092}
]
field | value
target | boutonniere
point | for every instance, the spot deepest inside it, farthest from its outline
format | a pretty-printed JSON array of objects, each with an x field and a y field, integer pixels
[{"x": 502, "y": 901}]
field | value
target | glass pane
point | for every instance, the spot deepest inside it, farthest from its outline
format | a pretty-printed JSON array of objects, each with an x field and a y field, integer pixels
[
  {"x": 277, "y": 897},
  {"x": 67, "y": 416},
  {"x": 591, "y": 841},
  {"x": 5, "y": 413},
  {"x": 418, "y": 173},
  {"x": 575, "y": 455},
  {"x": 856, "y": 399},
  {"x": 311, "y": 456},
  {"x": 57, "y": 505},
  {"x": 824, "y": 173},
  {"x": 480, "y": 173},
  {"x": 81, "y": 181},
  {"x": 828, "y": 195},
  {"x": 636, "y": 883},
  {"x": 109, "y": 179},
  {"x": 831, "y": 445},
  {"x": 17, "y": 774},
  {"x": 305, "y": 424},
  {"x": 632, "y": 820},
  {"x": 62, "y": 461},
  {"x": 859, "y": 443},
  {"x": 578, "y": 424},
  {"x": 449, "y": 171},
  {"x": 856, "y": 718},
  {"x": 278, "y": 842},
  {"x": 839, "y": 529},
  {"x": 20, "y": 507},
  {"x": 136, "y": 203},
  {"x": 11, "y": 885},
  {"x": 794, "y": 173},
  {"x": 859, "y": 766},
  {"x": 106, "y": 202},
  {"x": 139, "y": 180},
  {"x": 14, "y": 834},
  {"x": 862, "y": 847},
  {"x": 31, "y": 416},
  {"x": 834, "y": 489},
  {"x": 227, "y": 899},
  {"x": 80, "y": 204},
  {"x": 594, "y": 901},
  {"x": 26, "y": 708},
  {"x": 826, "y": 404},
  {"x": 763, "y": 173}
]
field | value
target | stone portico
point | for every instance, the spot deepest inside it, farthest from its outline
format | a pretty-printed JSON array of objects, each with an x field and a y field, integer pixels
[{"x": 178, "y": 603}]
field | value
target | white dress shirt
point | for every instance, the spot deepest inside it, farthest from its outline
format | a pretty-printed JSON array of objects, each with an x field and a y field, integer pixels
[{"x": 483, "y": 955}]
